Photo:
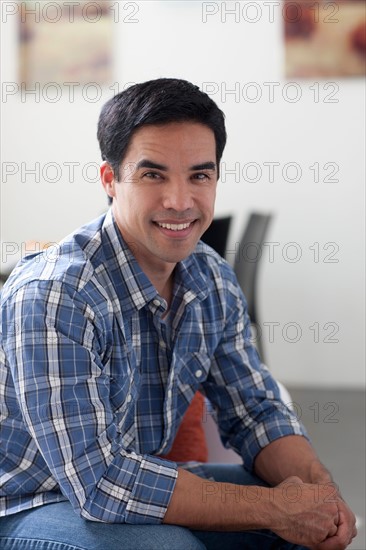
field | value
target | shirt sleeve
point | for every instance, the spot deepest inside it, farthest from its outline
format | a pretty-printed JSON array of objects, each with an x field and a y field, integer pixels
[
  {"x": 245, "y": 397},
  {"x": 57, "y": 351}
]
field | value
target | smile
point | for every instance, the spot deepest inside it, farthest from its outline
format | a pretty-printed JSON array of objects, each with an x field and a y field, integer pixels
[{"x": 174, "y": 226}]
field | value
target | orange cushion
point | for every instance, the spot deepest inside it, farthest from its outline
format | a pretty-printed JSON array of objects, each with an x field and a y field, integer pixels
[{"x": 190, "y": 441}]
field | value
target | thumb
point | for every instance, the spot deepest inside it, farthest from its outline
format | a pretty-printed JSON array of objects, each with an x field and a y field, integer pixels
[{"x": 291, "y": 479}]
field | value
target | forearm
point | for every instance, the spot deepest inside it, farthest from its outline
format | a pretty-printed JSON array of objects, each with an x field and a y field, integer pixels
[
  {"x": 202, "y": 504},
  {"x": 295, "y": 516},
  {"x": 288, "y": 456},
  {"x": 207, "y": 505}
]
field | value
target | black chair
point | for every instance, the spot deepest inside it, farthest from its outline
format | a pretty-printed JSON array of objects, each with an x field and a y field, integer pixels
[
  {"x": 216, "y": 234},
  {"x": 247, "y": 262}
]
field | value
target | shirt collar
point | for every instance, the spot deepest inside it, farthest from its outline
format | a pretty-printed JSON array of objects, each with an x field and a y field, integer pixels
[{"x": 132, "y": 285}]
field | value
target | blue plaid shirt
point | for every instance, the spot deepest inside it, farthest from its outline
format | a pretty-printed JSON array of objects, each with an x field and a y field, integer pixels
[{"x": 94, "y": 381}]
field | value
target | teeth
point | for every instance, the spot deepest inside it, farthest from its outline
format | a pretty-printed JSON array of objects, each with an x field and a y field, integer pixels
[{"x": 174, "y": 226}]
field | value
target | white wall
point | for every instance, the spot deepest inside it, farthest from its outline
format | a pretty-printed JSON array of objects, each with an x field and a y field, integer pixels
[{"x": 170, "y": 39}]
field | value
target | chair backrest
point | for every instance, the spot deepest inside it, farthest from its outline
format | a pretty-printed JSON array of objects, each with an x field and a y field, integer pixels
[
  {"x": 247, "y": 262},
  {"x": 216, "y": 234}
]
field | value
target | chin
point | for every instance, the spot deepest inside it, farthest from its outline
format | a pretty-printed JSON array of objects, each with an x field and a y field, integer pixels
[{"x": 176, "y": 257}]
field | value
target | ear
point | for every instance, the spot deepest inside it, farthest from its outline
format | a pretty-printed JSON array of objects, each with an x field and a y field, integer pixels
[{"x": 107, "y": 178}]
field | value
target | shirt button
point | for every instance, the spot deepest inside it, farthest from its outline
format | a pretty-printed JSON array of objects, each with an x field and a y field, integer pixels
[
  {"x": 156, "y": 302},
  {"x": 169, "y": 394},
  {"x": 129, "y": 397},
  {"x": 198, "y": 373}
]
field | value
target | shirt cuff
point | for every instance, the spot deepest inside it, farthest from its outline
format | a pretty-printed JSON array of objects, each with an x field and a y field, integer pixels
[{"x": 152, "y": 491}]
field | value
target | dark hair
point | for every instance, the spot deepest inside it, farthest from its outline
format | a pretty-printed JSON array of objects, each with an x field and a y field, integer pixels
[{"x": 157, "y": 101}]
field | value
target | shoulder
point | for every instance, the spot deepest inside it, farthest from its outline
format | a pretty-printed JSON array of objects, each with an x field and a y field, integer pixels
[{"x": 70, "y": 263}]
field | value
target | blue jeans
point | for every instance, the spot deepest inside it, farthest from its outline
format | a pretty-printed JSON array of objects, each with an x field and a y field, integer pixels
[{"x": 57, "y": 527}]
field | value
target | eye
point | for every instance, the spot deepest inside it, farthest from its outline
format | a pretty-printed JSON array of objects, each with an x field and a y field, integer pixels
[
  {"x": 200, "y": 176},
  {"x": 152, "y": 175}
]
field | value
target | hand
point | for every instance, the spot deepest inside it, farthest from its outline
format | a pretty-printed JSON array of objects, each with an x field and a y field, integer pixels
[
  {"x": 310, "y": 515},
  {"x": 346, "y": 530}
]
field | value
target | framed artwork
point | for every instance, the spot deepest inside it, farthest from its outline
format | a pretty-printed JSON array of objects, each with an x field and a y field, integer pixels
[
  {"x": 325, "y": 39},
  {"x": 65, "y": 42}
]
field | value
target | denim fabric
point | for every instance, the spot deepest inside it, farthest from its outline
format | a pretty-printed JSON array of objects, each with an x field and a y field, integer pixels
[{"x": 57, "y": 527}]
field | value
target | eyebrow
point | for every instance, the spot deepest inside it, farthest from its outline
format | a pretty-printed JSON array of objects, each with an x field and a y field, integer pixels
[
  {"x": 146, "y": 163},
  {"x": 204, "y": 166}
]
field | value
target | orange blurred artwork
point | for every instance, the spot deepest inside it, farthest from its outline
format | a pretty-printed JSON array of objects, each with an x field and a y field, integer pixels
[
  {"x": 325, "y": 39},
  {"x": 65, "y": 42}
]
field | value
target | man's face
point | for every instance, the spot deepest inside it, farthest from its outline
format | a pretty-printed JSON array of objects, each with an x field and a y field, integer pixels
[{"x": 165, "y": 198}]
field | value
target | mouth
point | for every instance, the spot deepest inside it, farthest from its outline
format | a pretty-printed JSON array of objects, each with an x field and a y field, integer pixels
[
  {"x": 174, "y": 226},
  {"x": 170, "y": 229}
]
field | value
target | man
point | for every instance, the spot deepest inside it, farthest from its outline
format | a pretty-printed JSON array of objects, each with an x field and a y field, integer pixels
[{"x": 106, "y": 342}]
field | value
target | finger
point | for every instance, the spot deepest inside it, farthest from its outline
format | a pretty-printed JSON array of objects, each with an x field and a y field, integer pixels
[
  {"x": 333, "y": 531},
  {"x": 331, "y": 543},
  {"x": 344, "y": 529}
]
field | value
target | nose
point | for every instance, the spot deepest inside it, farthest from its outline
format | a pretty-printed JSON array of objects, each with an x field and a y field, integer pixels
[{"x": 178, "y": 195}]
